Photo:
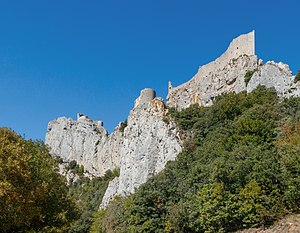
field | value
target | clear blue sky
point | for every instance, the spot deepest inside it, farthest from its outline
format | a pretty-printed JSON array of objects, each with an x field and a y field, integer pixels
[{"x": 61, "y": 57}]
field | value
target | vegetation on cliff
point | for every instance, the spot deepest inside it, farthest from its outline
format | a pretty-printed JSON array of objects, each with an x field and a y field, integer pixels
[
  {"x": 297, "y": 77},
  {"x": 88, "y": 194},
  {"x": 35, "y": 198},
  {"x": 240, "y": 168}
]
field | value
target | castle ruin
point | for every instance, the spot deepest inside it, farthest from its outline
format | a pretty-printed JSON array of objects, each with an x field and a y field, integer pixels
[
  {"x": 145, "y": 97},
  {"x": 207, "y": 83}
]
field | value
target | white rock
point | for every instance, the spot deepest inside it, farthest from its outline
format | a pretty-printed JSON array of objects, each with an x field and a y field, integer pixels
[
  {"x": 141, "y": 151},
  {"x": 227, "y": 74},
  {"x": 84, "y": 141},
  {"x": 149, "y": 140},
  {"x": 149, "y": 143}
]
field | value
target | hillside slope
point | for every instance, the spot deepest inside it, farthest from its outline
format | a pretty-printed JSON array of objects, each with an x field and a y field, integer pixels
[
  {"x": 290, "y": 224},
  {"x": 142, "y": 145},
  {"x": 240, "y": 168}
]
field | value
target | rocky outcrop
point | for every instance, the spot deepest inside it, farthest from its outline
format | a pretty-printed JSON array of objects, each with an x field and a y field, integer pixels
[
  {"x": 140, "y": 150},
  {"x": 277, "y": 75},
  {"x": 86, "y": 141},
  {"x": 143, "y": 147},
  {"x": 228, "y": 73},
  {"x": 149, "y": 142}
]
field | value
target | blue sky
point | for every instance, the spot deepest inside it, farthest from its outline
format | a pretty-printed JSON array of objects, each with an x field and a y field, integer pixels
[{"x": 62, "y": 57}]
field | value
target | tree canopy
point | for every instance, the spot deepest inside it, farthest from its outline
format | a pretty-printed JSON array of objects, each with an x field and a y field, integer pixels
[
  {"x": 33, "y": 196},
  {"x": 240, "y": 168}
]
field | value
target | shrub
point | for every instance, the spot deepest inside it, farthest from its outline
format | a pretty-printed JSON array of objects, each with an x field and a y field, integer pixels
[
  {"x": 249, "y": 75},
  {"x": 297, "y": 77},
  {"x": 72, "y": 165},
  {"x": 123, "y": 126}
]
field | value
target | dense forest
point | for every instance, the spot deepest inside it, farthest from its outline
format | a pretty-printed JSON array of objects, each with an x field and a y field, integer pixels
[
  {"x": 240, "y": 168},
  {"x": 34, "y": 197}
]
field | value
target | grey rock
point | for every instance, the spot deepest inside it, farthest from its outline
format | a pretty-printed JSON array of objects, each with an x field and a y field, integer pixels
[
  {"x": 86, "y": 141},
  {"x": 149, "y": 141},
  {"x": 141, "y": 151},
  {"x": 227, "y": 74}
]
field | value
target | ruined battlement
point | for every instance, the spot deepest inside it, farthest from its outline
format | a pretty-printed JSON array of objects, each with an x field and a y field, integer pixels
[
  {"x": 218, "y": 76},
  {"x": 145, "y": 97},
  {"x": 242, "y": 45}
]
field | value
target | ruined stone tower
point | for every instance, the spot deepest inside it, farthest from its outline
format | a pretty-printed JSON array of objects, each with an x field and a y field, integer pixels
[{"x": 145, "y": 97}]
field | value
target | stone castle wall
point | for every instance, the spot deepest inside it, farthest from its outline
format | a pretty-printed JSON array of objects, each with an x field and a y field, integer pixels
[
  {"x": 217, "y": 76},
  {"x": 244, "y": 44},
  {"x": 145, "y": 97}
]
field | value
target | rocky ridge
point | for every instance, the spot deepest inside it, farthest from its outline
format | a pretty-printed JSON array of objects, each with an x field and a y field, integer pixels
[
  {"x": 144, "y": 146},
  {"x": 86, "y": 141},
  {"x": 227, "y": 74},
  {"x": 140, "y": 150}
]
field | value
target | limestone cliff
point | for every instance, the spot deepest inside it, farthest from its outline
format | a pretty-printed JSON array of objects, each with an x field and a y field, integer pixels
[
  {"x": 86, "y": 141},
  {"x": 144, "y": 146},
  {"x": 227, "y": 74},
  {"x": 140, "y": 150},
  {"x": 148, "y": 143}
]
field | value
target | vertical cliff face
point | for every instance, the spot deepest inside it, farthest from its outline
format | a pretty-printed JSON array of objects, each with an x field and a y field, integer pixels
[
  {"x": 84, "y": 140},
  {"x": 149, "y": 143},
  {"x": 144, "y": 146},
  {"x": 140, "y": 150}
]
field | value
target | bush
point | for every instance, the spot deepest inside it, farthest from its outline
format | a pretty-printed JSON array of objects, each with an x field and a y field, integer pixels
[
  {"x": 123, "y": 126},
  {"x": 72, "y": 165},
  {"x": 297, "y": 77},
  {"x": 88, "y": 193},
  {"x": 249, "y": 75}
]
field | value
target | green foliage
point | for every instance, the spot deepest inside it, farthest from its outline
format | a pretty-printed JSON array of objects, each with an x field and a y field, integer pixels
[
  {"x": 75, "y": 168},
  {"x": 81, "y": 169},
  {"x": 72, "y": 165},
  {"x": 249, "y": 75},
  {"x": 33, "y": 196},
  {"x": 88, "y": 194},
  {"x": 123, "y": 126},
  {"x": 240, "y": 168},
  {"x": 297, "y": 77}
]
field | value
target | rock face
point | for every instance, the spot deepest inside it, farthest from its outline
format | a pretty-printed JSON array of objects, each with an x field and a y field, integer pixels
[
  {"x": 142, "y": 150},
  {"x": 277, "y": 75},
  {"x": 227, "y": 74},
  {"x": 86, "y": 141},
  {"x": 149, "y": 143},
  {"x": 144, "y": 146}
]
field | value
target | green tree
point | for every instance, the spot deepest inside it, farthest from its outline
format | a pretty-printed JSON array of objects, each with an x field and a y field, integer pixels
[{"x": 33, "y": 196}]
